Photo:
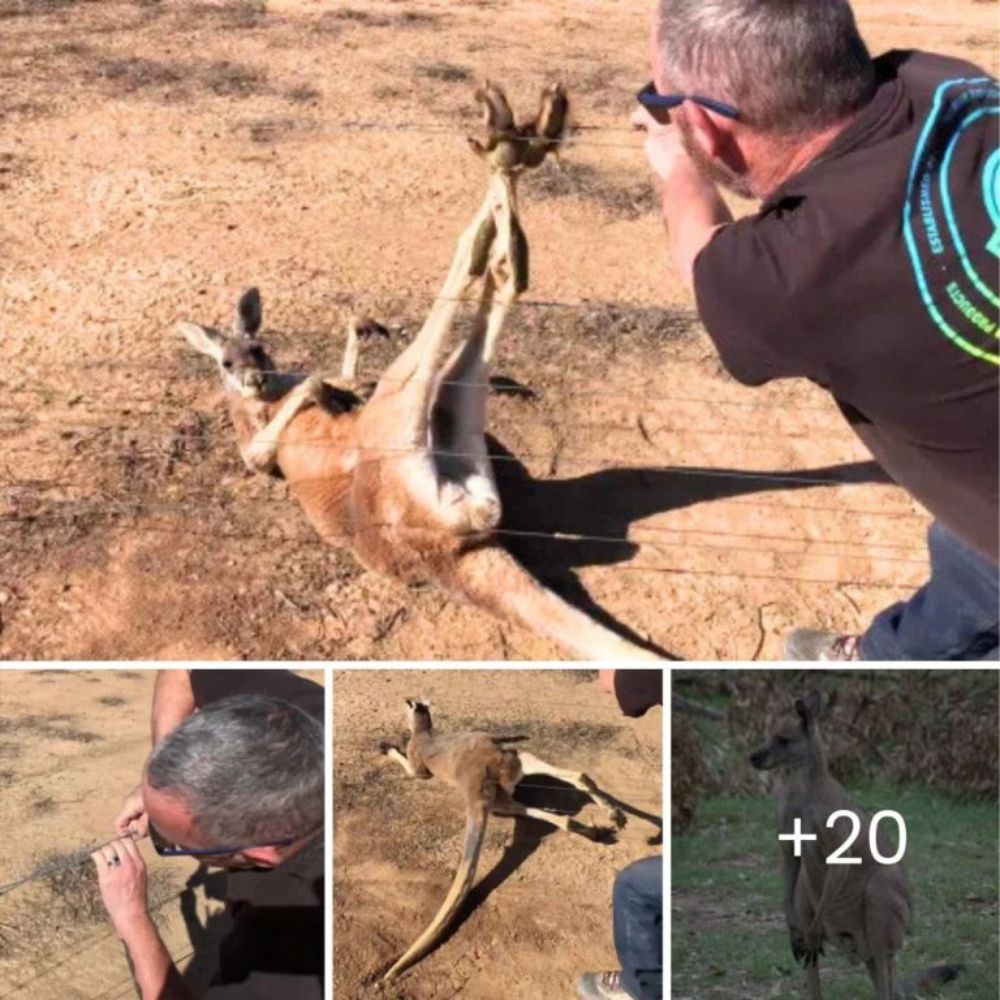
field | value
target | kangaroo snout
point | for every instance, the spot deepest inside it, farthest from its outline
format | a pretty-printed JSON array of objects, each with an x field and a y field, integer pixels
[{"x": 759, "y": 759}]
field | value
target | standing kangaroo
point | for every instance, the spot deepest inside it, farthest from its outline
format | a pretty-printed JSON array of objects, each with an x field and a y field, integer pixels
[
  {"x": 485, "y": 773},
  {"x": 864, "y": 909},
  {"x": 405, "y": 479}
]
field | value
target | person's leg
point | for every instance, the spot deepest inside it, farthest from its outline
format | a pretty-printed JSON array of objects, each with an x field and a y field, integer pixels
[
  {"x": 952, "y": 617},
  {"x": 637, "y": 906}
]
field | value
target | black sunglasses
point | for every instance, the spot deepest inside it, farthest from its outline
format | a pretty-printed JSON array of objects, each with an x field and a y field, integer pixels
[
  {"x": 651, "y": 100},
  {"x": 165, "y": 849}
]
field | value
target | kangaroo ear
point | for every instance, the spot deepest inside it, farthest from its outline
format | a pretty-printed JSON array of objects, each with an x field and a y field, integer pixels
[
  {"x": 410, "y": 703},
  {"x": 246, "y": 322},
  {"x": 809, "y": 707},
  {"x": 203, "y": 340}
]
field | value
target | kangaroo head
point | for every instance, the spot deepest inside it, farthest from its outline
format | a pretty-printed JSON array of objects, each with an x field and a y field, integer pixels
[
  {"x": 243, "y": 362},
  {"x": 794, "y": 742},
  {"x": 418, "y": 715}
]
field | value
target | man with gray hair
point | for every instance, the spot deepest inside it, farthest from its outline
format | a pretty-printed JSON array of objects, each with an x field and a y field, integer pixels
[
  {"x": 869, "y": 267},
  {"x": 238, "y": 784}
]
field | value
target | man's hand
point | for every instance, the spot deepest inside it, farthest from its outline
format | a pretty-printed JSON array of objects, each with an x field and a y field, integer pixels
[
  {"x": 606, "y": 680},
  {"x": 664, "y": 148},
  {"x": 132, "y": 817},
  {"x": 121, "y": 874},
  {"x": 691, "y": 204}
]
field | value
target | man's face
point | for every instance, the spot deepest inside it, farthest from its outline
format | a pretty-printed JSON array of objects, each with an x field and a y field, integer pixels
[
  {"x": 175, "y": 825},
  {"x": 714, "y": 168}
]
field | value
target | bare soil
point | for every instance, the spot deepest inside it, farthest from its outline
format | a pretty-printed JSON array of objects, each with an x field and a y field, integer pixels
[
  {"x": 72, "y": 745},
  {"x": 540, "y": 912},
  {"x": 156, "y": 158}
]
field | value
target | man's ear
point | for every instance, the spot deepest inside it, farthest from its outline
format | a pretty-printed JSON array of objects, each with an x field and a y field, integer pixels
[
  {"x": 202, "y": 339},
  {"x": 705, "y": 131}
]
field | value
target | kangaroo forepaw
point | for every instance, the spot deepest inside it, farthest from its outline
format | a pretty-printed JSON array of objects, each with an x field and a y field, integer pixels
[
  {"x": 385, "y": 746},
  {"x": 370, "y": 329},
  {"x": 805, "y": 950},
  {"x": 484, "y": 513}
]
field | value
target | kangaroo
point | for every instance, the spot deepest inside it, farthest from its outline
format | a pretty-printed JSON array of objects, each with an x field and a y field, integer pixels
[
  {"x": 403, "y": 477},
  {"x": 862, "y": 908},
  {"x": 485, "y": 772}
]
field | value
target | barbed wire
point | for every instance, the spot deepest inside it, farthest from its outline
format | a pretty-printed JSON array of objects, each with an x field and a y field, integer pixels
[
  {"x": 400, "y": 453},
  {"x": 317, "y": 544},
  {"x": 133, "y": 508}
]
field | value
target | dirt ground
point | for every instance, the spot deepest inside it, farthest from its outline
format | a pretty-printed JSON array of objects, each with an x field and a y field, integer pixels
[
  {"x": 541, "y": 908},
  {"x": 72, "y": 745},
  {"x": 156, "y": 158}
]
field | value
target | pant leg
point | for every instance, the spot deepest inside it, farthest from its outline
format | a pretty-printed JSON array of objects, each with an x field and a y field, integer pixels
[
  {"x": 952, "y": 617},
  {"x": 637, "y": 905}
]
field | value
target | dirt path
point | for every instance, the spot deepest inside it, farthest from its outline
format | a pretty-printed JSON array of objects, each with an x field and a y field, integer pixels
[
  {"x": 546, "y": 915},
  {"x": 157, "y": 158}
]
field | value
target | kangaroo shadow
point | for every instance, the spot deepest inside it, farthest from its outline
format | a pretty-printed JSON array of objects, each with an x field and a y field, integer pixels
[
  {"x": 544, "y": 792},
  {"x": 604, "y": 504}
]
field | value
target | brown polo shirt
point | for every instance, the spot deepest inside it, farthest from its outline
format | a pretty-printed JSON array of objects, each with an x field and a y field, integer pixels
[{"x": 275, "y": 948}]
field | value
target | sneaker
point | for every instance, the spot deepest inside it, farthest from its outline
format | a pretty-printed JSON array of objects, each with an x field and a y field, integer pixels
[
  {"x": 813, "y": 644},
  {"x": 601, "y": 986}
]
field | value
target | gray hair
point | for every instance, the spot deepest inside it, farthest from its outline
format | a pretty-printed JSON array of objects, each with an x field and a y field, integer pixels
[
  {"x": 788, "y": 66},
  {"x": 248, "y": 768}
]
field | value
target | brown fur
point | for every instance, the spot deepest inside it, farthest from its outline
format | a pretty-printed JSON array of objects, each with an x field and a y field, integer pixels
[
  {"x": 863, "y": 909},
  {"x": 485, "y": 773},
  {"x": 404, "y": 480}
]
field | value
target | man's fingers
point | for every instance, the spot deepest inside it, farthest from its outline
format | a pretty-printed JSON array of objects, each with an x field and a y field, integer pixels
[
  {"x": 130, "y": 850},
  {"x": 640, "y": 119},
  {"x": 110, "y": 855}
]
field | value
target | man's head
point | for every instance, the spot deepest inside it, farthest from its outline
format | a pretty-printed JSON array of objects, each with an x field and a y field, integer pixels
[
  {"x": 792, "y": 69},
  {"x": 242, "y": 778}
]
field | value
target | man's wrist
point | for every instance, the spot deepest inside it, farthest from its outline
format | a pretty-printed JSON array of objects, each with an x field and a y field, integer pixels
[{"x": 133, "y": 925}]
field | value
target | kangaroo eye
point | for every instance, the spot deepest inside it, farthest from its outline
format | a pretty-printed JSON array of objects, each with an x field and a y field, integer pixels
[{"x": 227, "y": 364}]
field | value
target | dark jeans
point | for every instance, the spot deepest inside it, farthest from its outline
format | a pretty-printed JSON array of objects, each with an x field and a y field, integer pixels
[
  {"x": 637, "y": 905},
  {"x": 951, "y": 617}
]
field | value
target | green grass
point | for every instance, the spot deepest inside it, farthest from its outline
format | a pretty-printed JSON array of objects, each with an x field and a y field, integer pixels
[{"x": 728, "y": 929}]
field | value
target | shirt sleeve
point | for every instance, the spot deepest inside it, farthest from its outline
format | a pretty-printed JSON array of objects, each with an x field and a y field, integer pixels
[
  {"x": 741, "y": 284},
  {"x": 637, "y": 691}
]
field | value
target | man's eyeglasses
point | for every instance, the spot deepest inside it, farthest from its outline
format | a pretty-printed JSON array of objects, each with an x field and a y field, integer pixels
[
  {"x": 653, "y": 101},
  {"x": 167, "y": 850}
]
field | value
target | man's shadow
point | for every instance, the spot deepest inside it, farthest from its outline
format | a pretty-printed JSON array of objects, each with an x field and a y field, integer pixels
[
  {"x": 206, "y": 937},
  {"x": 543, "y": 792},
  {"x": 604, "y": 504}
]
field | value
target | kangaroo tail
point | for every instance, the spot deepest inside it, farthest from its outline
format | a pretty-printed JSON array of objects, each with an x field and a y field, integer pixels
[
  {"x": 931, "y": 977},
  {"x": 475, "y": 831},
  {"x": 492, "y": 579}
]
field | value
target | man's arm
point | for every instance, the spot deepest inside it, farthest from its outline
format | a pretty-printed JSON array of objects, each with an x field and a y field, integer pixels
[
  {"x": 636, "y": 691},
  {"x": 173, "y": 702},
  {"x": 123, "y": 889},
  {"x": 691, "y": 205}
]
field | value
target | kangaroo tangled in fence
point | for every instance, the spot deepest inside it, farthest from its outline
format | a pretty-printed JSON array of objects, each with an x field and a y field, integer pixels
[
  {"x": 485, "y": 772},
  {"x": 404, "y": 478},
  {"x": 864, "y": 909}
]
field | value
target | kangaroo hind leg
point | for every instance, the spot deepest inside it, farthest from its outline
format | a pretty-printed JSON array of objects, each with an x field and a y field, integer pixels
[{"x": 530, "y": 764}]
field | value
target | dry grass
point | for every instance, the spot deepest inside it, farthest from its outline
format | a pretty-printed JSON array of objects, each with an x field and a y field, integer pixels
[
  {"x": 75, "y": 887},
  {"x": 444, "y": 71}
]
